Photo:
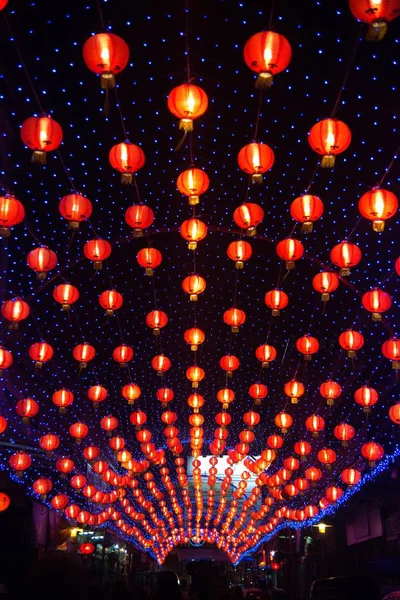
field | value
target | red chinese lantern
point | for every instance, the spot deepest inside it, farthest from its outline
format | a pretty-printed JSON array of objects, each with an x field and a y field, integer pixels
[
  {"x": 376, "y": 13},
  {"x": 333, "y": 493},
  {"x": 378, "y": 205},
  {"x": 97, "y": 394},
  {"x": 377, "y": 302},
  {"x": 345, "y": 255},
  {"x": 283, "y": 421},
  {"x": 313, "y": 474},
  {"x": 78, "y": 431},
  {"x": 397, "y": 266},
  {"x": 123, "y": 354},
  {"x": 350, "y": 476},
  {"x": 267, "y": 53},
  {"x": 6, "y": 359},
  {"x": 149, "y": 258},
  {"x": 330, "y": 390},
  {"x": 223, "y": 419},
  {"x": 3, "y": 424},
  {"x": 131, "y": 392},
  {"x": 41, "y": 352},
  {"x": 329, "y": 138},
  {"x": 302, "y": 448},
  {"x": 311, "y": 511},
  {"x": 194, "y": 285},
  {"x": 366, "y": 397},
  {"x": 75, "y": 208},
  {"x": 247, "y": 216},
  {"x": 193, "y": 183},
  {"x": 195, "y": 375},
  {"x": 327, "y": 457},
  {"x": 91, "y": 453},
  {"x": 161, "y": 364},
  {"x": 14, "y": 311},
  {"x": 156, "y": 319},
  {"x": 109, "y": 424},
  {"x": 307, "y": 345},
  {"x": 83, "y": 353},
  {"x": 325, "y": 283},
  {"x": 72, "y": 511},
  {"x": 165, "y": 395},
  {"x": 27, "y": 409},
  {"x": 394, "y": 413},
  {"x": 226, "y": 396},
  {"x": 20, "y": 461},
  {"x": 372, "y": 451},
  {"x": 64, "y": 465},
  {"x": 251, "y": 418},
  {"x": 194, "y": 337},
  {"x": 266, "y": 354},
  {"x": 41, "y": 134},
  {"x": 41, "y": 260},
  {"x": 59, "y": 502},
  {"x": 351, "y": 341},
  {"x": 106, "y": 54},
  {"x": 49, "y": 442},
  {"x": 127, "y": 158},
  {"x": 294, "y": 389},
  {"x": 290, "y": 250},
  {"x": 97, "y": 250},
  {"x": 193, "y": 231},
  {"x": 306, "y": 209},
  {"x": 86, "y": 548},
  {"x": 65, "y": 294},
  {"x": 344, "y": 432},
  {"x": 239, "y": 251},
  {"x": 315, "y": 424},
  {"x": 391, "y": 350},
  {"x": 258, "y": 391},
  {"x": 229, "y": 363},
  {"x": 139, "y": 217},
  {"x": 12, "y": 212},
  {"x": 275, "y": 441},
  {"x": 187, "y": 102},
  {"x": 42, "y": 486},
  {"x": 138, "y": 418},
  {"x": 110, "y": 300},
  {"x": 234, "y": 317},
  {"x": 62, "y": 398},
  {"x": 255, "y": 159},
  {"x": 276, "y": 300}
]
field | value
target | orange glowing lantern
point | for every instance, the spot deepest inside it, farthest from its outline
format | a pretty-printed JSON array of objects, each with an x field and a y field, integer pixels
[
  {"x": 14, "y": 311},
  {"x": 6, "y": 359},
  {"x": 106, "y": 54},
  {"x": 372, "y": 451},
  {"x": 255, "y": 159},
  {"x": 294, "y": 389},
  {"x": 97, "y": 251},
  {"x": 283, "y": 421},
  {"x": 306, "y": 209},
  {"x": 258, "y": 391},
  {"x": 313, "y": 474},
  {"x": 376, "y": 13},
  {"x": 42, "y": 487},
  {"x": 187, "y": 102},
  {"x": 226, "y": 396},
  {"x": 97, "y": 394},
  {"x": 378, "y": 205},
  {"x": 239, "y": 251},
  {"x": 83, "y": 353},
  {"x": 194, "y": 337},
  {"x": 315, "y": 424},
  {"x": 193, "y": 231},
  {"x": 64, "y": 465},
  {"x": 156, "y": 320},
  {"x": 194, "y": 285},
  {"x": 27, "y": 408},
  {"x": 350, "y": 476},
  {"x": 41, "y": 134},
  {"x": 65, "y": 294},
  {"x": 229, "y": 363},
  {"x": 307, "y": 345},
  {"x": 75, "y": 208},
  {"x": 327, "y": 457},
  {"x": 344, "y": 432},
  {"x": 78, "y": 431},
  {"x": 161, "y": 364},
  {"x": 234, "y": 317},
  {"x": 127, "y": 158},
  {"x": 49, "y": 442},
  {"x": 391, "y": 350},
  {"x": 345, "y": 255},
  {"x": 150, "y": 259},
  {"x": 276, "y": 300},
  {"x": 40, "y": 352},
  {"x": 165, "y": 395},
  {"x": 195, "y": 401},
  {"x": 139, "y": 217},
  {"x": 20, "y": 462},
  {"x": 333, "y": 493},
  {"x": 366, "y": 397},
  {"x": 12, "y": 212},
  {"x": 275, "y": 441},
  {"x": 267, "y": 53},
  {"x": 193, "y": 183},
  {"x": 109, "y": 424},
  {"x": 110, "y": 300},
  {"x": 266, "y": 354},
  {"x": 377, "y": 302},
  {"x": 60, "y": 501},
  {"x": 303, "y": 449},
  {"x": 329, "y": 138},
  {"x": 195, "y": 375},
  {"x": 325, "y": 283},
  {"x": 247, "y": 216},
  {"x": 62, "y": 398},
  {"x": 290, "y": 250},
  {"x": 330, "y": 390},
  {"x": 41, "y": 260},
  {"x": 351, "y": 341},
  {"x": 123, "y": 354},
  {"x": 131, "y": 392},
  {"x": 394, "y": 413}
]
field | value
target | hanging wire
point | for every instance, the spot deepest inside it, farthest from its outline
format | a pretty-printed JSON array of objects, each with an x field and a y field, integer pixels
[
  {"x": 120, "y": 113},
  {"x": 390, "y": 165},
  {"x": 101, "y": 17},
  {"x": 271, "y": 14}
]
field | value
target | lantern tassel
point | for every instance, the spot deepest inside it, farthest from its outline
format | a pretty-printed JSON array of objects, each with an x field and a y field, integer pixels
[
  {"x": 307, "y": 227},
  {"x": 107, "y": 81},
  {"x": 38, "y": 157},
  {"x": 264, "y": 80},
  {"x": 256, "y": 178},
  {"x": 186, "y": 125},
  {"x": 377, "y": 30},
  {"x": 328, "y": 161},
  {"x": 126, "y": 178}
]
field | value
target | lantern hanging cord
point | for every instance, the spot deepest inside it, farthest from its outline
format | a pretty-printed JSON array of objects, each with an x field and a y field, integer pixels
[
  {"x": 395, "y": 156},
  {"x": 60, "y": 158},
  {"x": 258, "y": 114},
  {"x": 120, "y": 113},
  {"x": 338, "y": 99},
  {"x": 101, "y": 17},
  {"x": 271, "y": 14},
  {"x": 187, "y": 11},
  {"x": 313, "y": 177}
]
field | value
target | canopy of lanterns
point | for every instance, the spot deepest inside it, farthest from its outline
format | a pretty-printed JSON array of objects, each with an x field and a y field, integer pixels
[{"x": 200, "y": 270}]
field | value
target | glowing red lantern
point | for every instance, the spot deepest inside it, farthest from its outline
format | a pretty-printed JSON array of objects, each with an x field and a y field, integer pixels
[
  {"x": 64, "y": 465},
  {"x": 123, "y": 354},
  {"x": 65, "y": 294},
  {"x": 255, "y": 159},
  {"x": 165, "y": 395},
  {"x": 127, "y": 158},
  {"x": 344, "y": 432},
  {"x": 12, "y": 212},
  {"x": 325, "y": 283},
  {"x": 131, "y": 392},
  {"x": 41, "y": 260},
  {"x": 258, "y": 391},
  {"x": 42, "y": 486},
  {"x": 72, "y": 511},
  {"x": 20, "y": 461},
  {"x": 377, "y": 302},
  {"x": 110, "y": 300},
  {"x": 40, "y": 352},
  {"x": 59, "y": 502},
  {"x": 97, "y": 250},
  {"x": 156, "y": 319},
  {"x": 267, "y": 53},
  {"x": 83, "y": 353},
  {"x": 276, "y": 300},
  {"x": 149, "y": 258},
  {"x": 139, "y": 217},
  {"x": 27, "y": 409},
  {"x": 275, "y": 441},
  {"x": 14, "y": 311},
  {"x": 378, "y": 205},
  {"x": 63, "y": 398},
  {"x": 306, "y": 209},
  {"x": 315, "y": 424},
  {"x": 193, "y": 231},
  {"x": 138, "y": 418},
  {"x": 6, "y": 359},
  {"x": 283, "y": 421},
  {"x": 394, "y": 413},
  {"x": 345, "y": 255},
  {"x": 41, "y": 134},
  {"x": 86, "y": 548},
  {"x": 376, "y": 13},
  {"x": 234, "y": 317},
  {"x": 294, "y": 389},
  {"x": 3, "y": 424},
  {"x": 49, "y": 442},
  {"x": 193, "y": 183},
  {"x": 313, "y": 474},
  {"x": 78, "y": 431},
  {"x": 302, "y": 448},
  {"x": 194, "y": 285},
  {"x": 290, "y": 250},
  {"x": 106, "y": 54},
  {"x": 308, "y": 346},
  {"x": 397, "y": 266},
  {"x": 330, "y": 390},
  {"x": 266, "y": 354},
  {"x": 75, "y": 208},
  {"x": 226, "y": 396},
  {"x": 195, "y": 375},
  {"x": 91, "y": 453},
  {"x": 251, "y": 418},
  {"x": 351, "y": 341},
  {"x": 366, "y": 396},
  {"x": 329, "y": 138},
  {"x": 247, "y": 216},
  {"x": 187, "y": 102},
  {"x": 229, "y": 363},
  {"x": 350, "y": 476},
  {"x": 97, "y": 394},
  {"x": 391, "y": 350},
  {"x": 161, "y": 364},
  {"x": 194, "y": 337},
  {"x": 327, "y": 457},
  {"x": 239, "y": 251},
  {"x": 333, "y": 493},
  {"x": 109, "y": 424}
]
